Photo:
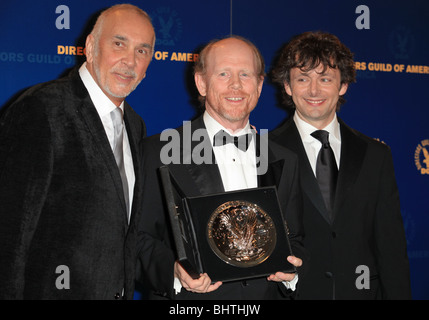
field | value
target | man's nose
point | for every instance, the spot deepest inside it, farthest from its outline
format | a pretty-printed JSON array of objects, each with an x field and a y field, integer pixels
[
  {"x": 313, "y": 88},
  {"x": 235, "y": 82},
  {"x": 129, "y": 58}
]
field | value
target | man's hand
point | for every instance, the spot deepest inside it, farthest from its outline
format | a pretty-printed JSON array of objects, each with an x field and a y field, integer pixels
[
  {"x": 280, "y": 276},
  {"x": 201, "y": 285}
]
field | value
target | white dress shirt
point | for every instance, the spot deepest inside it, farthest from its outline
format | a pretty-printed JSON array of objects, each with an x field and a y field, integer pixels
[
  {"x": 312, "y": 145},
  {"x": 237, "y": 168},
  {"x": 104, "y": 107}
]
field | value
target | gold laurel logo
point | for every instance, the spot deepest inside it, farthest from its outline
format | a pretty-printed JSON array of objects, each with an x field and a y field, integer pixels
[{"x": 421, "y": 157}]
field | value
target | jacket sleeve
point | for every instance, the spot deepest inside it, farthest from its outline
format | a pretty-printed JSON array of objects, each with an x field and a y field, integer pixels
[
  {"x": 291, "y": 204},
  {"x": 26, "y": 163},
  {"x": 391, "y": 250},
  {"x": 155, "y": 265}
]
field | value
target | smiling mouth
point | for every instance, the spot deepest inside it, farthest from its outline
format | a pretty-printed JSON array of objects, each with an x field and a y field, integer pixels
[
  {"x": 234, "y": 99},
  {"x": 124, "y": 74},
  {"x": 314, "y": 102},
  {"x": 124, "y": 77}
]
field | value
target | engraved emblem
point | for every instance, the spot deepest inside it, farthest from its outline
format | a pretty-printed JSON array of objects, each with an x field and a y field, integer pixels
[
  {"x": 421, "y": 157},
  {"x": 168, "y": 25},
  {"x": 241, "y": 233}
]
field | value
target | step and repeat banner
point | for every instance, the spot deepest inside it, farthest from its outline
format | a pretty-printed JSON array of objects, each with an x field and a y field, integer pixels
[{"x": 43, "y": 40}]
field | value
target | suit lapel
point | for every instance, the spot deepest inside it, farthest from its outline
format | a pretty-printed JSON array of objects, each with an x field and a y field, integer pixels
[
  {"x": 274, "y": 169},
  {"x": 205, "y": 176},
  {"x": 353, "y": 151},
  {"x": 292, "y": 140},
  {"x": 136, "y": 156},
  {"x": 89, "y": 115}
]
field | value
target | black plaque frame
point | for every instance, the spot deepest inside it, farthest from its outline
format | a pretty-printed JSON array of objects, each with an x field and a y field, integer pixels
[{"x": 189, "y": 217}]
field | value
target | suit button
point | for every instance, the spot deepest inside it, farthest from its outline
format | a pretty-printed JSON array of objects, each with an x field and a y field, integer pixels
[
  {"x": 117, "y": 296},
  {"x": 328, "y": 274},
  {"x": 334, "y": 235}
]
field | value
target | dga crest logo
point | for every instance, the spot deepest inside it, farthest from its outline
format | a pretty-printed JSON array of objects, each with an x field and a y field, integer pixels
[
  {"x": 402, "y": 42},
  {"x": 421, "y": 157},
  {"x": 168, "y": 26}
]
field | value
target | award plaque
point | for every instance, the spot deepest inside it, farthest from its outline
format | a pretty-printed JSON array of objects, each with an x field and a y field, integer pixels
[
  {"x": 241, "y": 233},
  {"x": 230, "y": 236}
]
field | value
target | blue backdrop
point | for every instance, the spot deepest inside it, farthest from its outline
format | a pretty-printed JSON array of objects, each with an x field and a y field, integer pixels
[{"x": 41, "y": 40}]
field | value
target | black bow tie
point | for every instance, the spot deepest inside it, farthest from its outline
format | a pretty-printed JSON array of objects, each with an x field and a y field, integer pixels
[{"x": 241, "y": 142}]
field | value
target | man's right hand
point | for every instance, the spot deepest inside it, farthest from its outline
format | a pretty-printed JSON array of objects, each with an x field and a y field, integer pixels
[{"x": 201, "y": 285}]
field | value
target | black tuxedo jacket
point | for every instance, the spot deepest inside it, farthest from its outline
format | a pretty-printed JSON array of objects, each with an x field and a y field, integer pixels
[
  {"x": 155, "y": 243},
  {"x": 367, "y": 226},
  {"x": 61, "y": 198}
]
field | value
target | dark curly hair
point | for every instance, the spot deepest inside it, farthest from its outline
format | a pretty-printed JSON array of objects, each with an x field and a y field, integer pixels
[{"x": 307, "y": 51}]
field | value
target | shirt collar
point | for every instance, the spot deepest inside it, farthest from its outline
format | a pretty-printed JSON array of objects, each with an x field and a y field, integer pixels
[
  {"x": 305, "y": 129},
  {"x": 214, "y": 127},
  {"x": 101, "y": 102}
]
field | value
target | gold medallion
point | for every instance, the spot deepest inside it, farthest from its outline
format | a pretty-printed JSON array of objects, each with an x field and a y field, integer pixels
[{"x": 241, "y": 233}]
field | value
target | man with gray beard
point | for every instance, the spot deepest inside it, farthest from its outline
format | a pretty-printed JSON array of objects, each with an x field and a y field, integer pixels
[{"x": 70, "y": 171}]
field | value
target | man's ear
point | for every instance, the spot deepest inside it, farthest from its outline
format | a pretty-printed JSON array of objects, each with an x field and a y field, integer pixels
[
  {"x": 260, "y": 85},
  {"x": 287, "y": 88},
  {"x": 90, "y": 48},
  {"x": 343, "y": 89},
  {"x": 200, "y": 82}
]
